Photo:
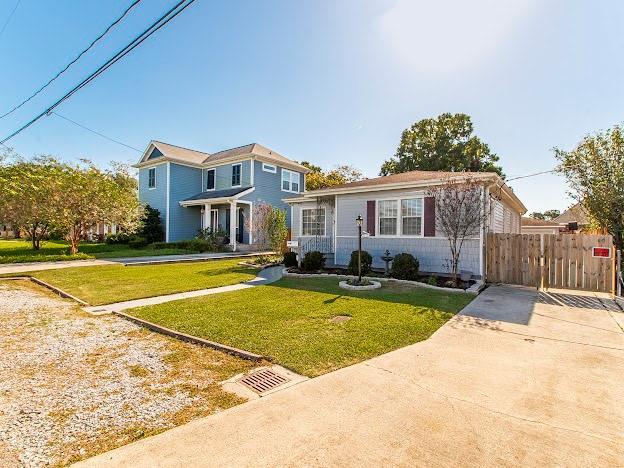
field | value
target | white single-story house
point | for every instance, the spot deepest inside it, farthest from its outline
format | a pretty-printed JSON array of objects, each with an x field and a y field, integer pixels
[
  {"x": 539, "y": 226},
  {"x": 398, "y": 217}
]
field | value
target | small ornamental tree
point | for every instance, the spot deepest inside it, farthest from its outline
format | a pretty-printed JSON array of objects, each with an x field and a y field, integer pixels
[
  {"x": 89, "y": 195},
  {"x": 460, "y": 209},
  {"x": 152, "y": 229},
  {"x": 29, "y": 194},
  {"x": 268, "y": 227}
]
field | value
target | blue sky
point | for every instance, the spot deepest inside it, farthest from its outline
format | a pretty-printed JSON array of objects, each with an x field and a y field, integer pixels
[{"x": 325, "y": 81}]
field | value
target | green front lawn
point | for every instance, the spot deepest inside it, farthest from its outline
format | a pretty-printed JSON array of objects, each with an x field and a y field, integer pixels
[
  {"x": 115, "y": 283},
  {"x": 18, "y": 251},
  {"x": 291, "y": 320}
]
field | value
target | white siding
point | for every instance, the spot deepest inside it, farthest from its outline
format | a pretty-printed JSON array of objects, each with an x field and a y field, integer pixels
[{"x": 503, "y": 218}]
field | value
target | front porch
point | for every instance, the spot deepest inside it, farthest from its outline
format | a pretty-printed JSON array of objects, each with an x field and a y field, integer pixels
[{"x": 223, "y": 210}]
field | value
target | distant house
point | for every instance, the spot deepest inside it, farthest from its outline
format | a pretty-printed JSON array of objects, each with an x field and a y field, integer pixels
[
  {"x": 399, "y": 217},
  {"x": 194, "y": 190},
  {"x": 539, "y": 226},
  {"x": 574, "y": 219}
]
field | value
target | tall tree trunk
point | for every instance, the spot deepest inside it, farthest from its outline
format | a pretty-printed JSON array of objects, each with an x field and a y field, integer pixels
[
  {"x": 74, "y": 239},
  {"x": 34, "y": 239}
]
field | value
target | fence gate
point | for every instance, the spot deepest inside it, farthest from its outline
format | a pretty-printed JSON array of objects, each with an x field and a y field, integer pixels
[{"x": 569, "y": 261}]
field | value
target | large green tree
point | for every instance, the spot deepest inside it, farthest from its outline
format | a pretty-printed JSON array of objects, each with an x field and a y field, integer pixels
[
  {"x": 444, "y": 143},
  {"x": 546, "y": 215},
  {"x": 595, "y": 174},
  {"x": 319, "y": 179}
]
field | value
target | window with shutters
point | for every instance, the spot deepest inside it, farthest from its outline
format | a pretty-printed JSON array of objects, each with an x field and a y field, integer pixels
[
  {"x": 411, "y": 217},
  {"x": 388, "y": 217},
  {"x": 401, "y": 217}
]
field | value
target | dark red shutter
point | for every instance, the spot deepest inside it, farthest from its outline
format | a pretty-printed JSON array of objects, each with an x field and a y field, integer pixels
[
  {"x": 370, "y": 217},
  {"x": 429, "y": 217}
]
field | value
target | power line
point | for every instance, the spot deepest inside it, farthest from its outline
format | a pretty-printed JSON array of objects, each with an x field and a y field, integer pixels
[
  {"x": 531, "y": 175},
  {"x": 8, "y": 20},
  {"x": 162, "y": 21},
  {"x": 96, "y": 132},
  {"x": 97, "y": 39}
]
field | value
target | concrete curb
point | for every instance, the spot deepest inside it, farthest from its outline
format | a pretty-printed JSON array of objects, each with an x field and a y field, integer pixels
[
  {"x": 58, "y": 291},
  {"x": 192, "y": 339},
  {"x": 166, "y": 261},
  {"x": 470, "y": 290}
]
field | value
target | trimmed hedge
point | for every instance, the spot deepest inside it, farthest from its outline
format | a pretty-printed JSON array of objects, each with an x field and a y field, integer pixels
[
  {"x": 313, "y": 261},
  {"x": 367, "y": 263},
  {"x": 290, "y": 259},
  {"x": 404, "y": 266}
]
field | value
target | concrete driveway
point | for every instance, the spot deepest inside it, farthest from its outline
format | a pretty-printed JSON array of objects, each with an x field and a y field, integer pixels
[{"x": 516, "y": 379}]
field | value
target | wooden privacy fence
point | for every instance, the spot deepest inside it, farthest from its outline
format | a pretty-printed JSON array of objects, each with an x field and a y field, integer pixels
[{"x": 566, "y": 261}]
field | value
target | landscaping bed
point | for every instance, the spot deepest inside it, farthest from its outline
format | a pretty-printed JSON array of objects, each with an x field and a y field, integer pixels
[
  {"x": 107, "y": 284},
  {"x": 311, "y": 325},
  {"x": 72, "y": 385}
]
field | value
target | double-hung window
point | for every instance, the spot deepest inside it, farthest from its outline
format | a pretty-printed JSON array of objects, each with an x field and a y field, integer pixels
[
  {"x": 151, "y": 177},
  {"x": 290, "y": 181},
  {"x": 388, "y": 217},
  {"x": 400, "y": 217},
  {"x": 236, "y": 175},
  {"x": 210, "y": 179},
  {"x": 313, "y": 222}
]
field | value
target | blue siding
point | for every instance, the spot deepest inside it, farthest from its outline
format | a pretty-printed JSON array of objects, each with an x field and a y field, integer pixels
[
  {"x": 183, "y": 222},
  {"x": 223, "y": 175},
  {"x": 269, "y": 189},
  {"x": 156, "y": 197}
]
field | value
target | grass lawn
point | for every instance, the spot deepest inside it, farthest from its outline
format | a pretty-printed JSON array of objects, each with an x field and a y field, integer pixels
[
  {"x": 290, "y": 320},
  {"x": 18, "y": 251},
  {"x": 115, "y": 283}
]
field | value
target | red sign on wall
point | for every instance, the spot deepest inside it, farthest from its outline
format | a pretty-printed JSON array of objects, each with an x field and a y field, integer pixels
[{"x": 603, "y": 252}]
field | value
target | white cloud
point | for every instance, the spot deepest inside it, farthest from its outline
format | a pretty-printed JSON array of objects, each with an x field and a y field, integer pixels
[{"x": 445, "y": 35}]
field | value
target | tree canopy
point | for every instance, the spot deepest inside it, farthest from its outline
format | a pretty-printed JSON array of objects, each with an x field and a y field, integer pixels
[
  {"x": 547, "y": 215},
  {"x": 319, "y": 179},
  {"x": 444, "y": 143},
  {"x": 595, "y": 174}
]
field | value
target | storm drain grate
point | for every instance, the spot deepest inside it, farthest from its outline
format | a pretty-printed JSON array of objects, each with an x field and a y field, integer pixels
[{"x": 263, "y": 380}]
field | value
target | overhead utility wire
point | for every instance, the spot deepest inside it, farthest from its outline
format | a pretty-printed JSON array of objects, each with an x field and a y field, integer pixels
[
  {"x": 113, "y": 24},
  {"x": 531, "y": 175},
  {"x": 171, "y": 14},
  {"x": 8, "y": 20}
]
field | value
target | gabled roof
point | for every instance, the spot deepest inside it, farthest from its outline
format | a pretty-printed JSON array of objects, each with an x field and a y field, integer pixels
[
  {"x": 534, "y": 222},
  {"x": 574, "y": 214},
  {"x": 199, "y": 158}
]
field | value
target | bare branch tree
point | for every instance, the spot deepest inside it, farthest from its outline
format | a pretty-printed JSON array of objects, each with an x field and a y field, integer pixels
[{"x": 460, "y": 213}]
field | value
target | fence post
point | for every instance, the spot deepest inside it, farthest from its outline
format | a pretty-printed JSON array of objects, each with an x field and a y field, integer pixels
[{"x": 618, "y": 272}]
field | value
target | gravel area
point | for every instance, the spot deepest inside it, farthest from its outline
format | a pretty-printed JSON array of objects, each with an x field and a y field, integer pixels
[{"x": 73, "y": 385}]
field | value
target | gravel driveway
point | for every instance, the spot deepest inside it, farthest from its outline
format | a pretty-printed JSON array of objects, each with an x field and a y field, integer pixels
[{"x": 72, "y": 385}]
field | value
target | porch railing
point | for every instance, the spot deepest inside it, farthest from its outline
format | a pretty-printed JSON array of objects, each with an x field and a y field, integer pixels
[{"x": 321, "y": 244}]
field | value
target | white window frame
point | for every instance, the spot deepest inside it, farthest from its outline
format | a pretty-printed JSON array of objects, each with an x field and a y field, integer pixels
[
  {"x": 290, "y": 181},
  {"x": 324, "y": 224},
  {"x": 397, "y": 204},
  {"x": 149, "y": 177},
  {"x": 214, "y": 219},
  {"x": 422, "y": 216},
  {"x": 399, "y": 231},
  {"x": 240, "y": 175},
  {"x": 214, "y": 180},
  {"x": 269, "y": 168}
]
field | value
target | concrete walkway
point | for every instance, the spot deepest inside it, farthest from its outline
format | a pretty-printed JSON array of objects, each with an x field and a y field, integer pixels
[
  {"x": 266, "y": 276},
  {"x": 10, "y": 268},
  {"x": 514, "y": 380}
]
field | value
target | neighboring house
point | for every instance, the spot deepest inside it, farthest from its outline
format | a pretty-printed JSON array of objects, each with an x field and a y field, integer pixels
[
  {"x": 399, "y": 217},
  {"x": 539, "y": 226},
  {"x": 195, "y": 190},
  {"x": 574, "y": 219},
  {"x": 6, "y": 230}
]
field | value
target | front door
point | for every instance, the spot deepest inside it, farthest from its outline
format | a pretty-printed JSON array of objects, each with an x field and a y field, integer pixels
[{"x": 240, "y": 222}]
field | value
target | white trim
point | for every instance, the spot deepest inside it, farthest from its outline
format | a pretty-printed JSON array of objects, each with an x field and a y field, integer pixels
[
  {"x": 481, "y": 229},
  {"x": 149, "y": 170},
  {"x": 214, "y": 226},
  {"x": 166, "y": 159},
  {"x": 214, "y": 201},
  {"x": 401, "y": 237},
  {"x": 399, "y": 218},
  {"x": 252, "y": 174},
  {"x": 301, "y": 221},
  {"x": 168, "y": 196},
  {"x": 227, "y": 162},
  {"x": 266, "y": 167},
  {"x": 240, "y": 175},
  {"x": 335, "y": 230},
  {"x": 290, "y": 181},
  {"x": 250, "y": 223},
  {"x": 214, "y": 180}
]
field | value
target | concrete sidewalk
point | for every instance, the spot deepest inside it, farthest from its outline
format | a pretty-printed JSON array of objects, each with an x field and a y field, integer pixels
[
  {"x": 11, "y": 268},
  {"x": 512, "y": 380},
  {"x": 266, "y": 276}
]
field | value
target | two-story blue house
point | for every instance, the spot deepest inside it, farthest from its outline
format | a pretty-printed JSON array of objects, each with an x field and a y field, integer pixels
[{"x": 194, "y": 190}]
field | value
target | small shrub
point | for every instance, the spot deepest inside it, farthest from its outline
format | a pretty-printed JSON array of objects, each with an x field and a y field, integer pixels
[
  {"x": 367, "y": 263},
  {"x": 313, "y": 261},
  {"x": 290, "y": 259},
  {"x": 137, "y": 242},
  {"x": 405, "y": 266},
  {"x": 119, "y": 238},
  {"x": 432, "y": 280},
  {"x": 152, "y": 229}
]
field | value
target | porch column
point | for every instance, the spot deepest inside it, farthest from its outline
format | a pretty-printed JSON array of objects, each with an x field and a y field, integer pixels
[
  {"x": 251, "y": 223},
  {"x": 233, "y": 221},
  {"x": 206, "y": 221}
]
